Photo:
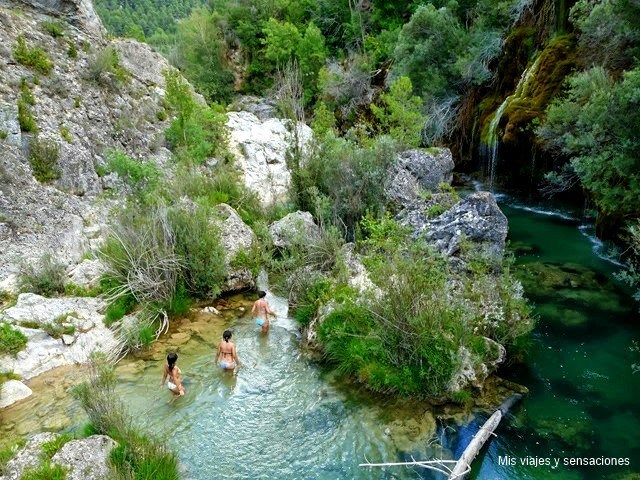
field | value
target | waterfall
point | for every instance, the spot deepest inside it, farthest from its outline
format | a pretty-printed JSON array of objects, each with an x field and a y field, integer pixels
[{"x": 492, "y": 137}]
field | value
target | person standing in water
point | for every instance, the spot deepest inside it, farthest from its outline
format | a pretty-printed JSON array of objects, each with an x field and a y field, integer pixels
[
  {"x": 173, "y": 372},
  {"x": 227, "y": 352},
  {"x": 261, "y": 311}
]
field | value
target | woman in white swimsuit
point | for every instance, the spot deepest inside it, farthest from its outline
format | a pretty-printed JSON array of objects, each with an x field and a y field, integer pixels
[
  {"x": 173, "y": 372},
  {"x": 227, "y": 352}
]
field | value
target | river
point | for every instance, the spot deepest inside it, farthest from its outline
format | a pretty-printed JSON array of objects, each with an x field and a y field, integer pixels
[{"x": 282, "y": 415}]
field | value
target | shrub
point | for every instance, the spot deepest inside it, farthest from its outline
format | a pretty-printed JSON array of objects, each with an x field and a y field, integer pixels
[
  {"x": 25, "y": 118},
  {"x": 43, "y": 157},
  {"x": 11, "y": 340},
  {"x": 5, "y": 377},
  {"x": 72, "y": 51},
  {"x": 55, "y": 29},
  {"x": 105, "y": 64},
  {"x": 32, "y": 57},
  {"x": 45, "y": 277},
  {"x": 3, "y": 134},
  {"x": 8, "y": 452},
  {"x": 73, "y": 290},
  {"x": 25, "y": 93},
  {"x": 59, "y": 327},
  {"x": 140, "y": 175}
]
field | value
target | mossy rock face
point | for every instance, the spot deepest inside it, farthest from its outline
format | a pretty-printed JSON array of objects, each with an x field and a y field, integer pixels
[
  {"x": 559, "y": 314},
  {"x": 576, "y": 434}
]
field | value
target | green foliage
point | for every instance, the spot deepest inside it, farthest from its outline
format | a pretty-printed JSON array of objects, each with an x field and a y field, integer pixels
[
  {"x": 281, "y": 40},
  {"x": 201, "y": 54},
  {"x": 400, "y": 113},
  {"x": 137, "y": 455},
  {"x": 11, "y": 340},
  {"x": 142, "y": 176},
  {"x": 595, "y": 127},
  {"x": 198, "y": 132},
  {"x": 3, "y": 134},
  {"x": 73, "y": 290},
  {"x": 55, "y": 29},
  {"x": 105, "y": 65},
  {"x": 5, "y": 377},
  {"x": 65, "y": 133},
  {"x": 51, "y": 447},
  {"x": 72, "y": 51},
  {"x": 120, "y": 307},
  {"x": 45, "y": 277},
  {"x": 25, "y": 117},
  {"x": 25, "y": 93},
  {"x": 35, "y": 58},
  {"x": 342, "y": 180},
  {"x": 59, "y": 326},
  {"x": 198, "y": 245},
  {"x": 45, "y": 471},
  {"x": 427, "y": 51},
  {"x": 324, "y": 120},
  {"x": 43, "y": 157}
]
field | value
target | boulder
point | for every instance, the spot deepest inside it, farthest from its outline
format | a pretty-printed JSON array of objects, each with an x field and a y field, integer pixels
[
  {"x": 13, "y": 391},
  {"x": 416, "y": 170},
  {"x": 295, "y": 229},
  {"x": 476, "y": 218},
  {"x": 88, "y": 458},
  {"x": 142, "y": 62},
  {"x": 260, "y": 149},
  {"x": 263, "y": 108},
  {"x": 28, "y": 456},
  {"x": 236, "y": 236},
  {"x": 87, "y": 274},
  {"x": 42, "y": 352},
  {"x": 473, "y": 371}
]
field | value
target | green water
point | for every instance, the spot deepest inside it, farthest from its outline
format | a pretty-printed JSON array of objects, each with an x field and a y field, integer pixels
[{"x": 583, "y": 399}]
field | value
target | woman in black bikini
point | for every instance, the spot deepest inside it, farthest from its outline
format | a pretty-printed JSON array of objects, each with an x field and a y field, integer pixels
[{"x": 227, "y": 350}]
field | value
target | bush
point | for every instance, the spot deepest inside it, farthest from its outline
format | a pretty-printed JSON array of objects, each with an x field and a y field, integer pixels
[
  {"x": 43, "y": 157},
  {"x": 11, "y": 340},
  {"x": 32, "y": 57},
  {"x": 46, "y": 277},
  {"x": 105, "y": 64},
  {"x": 140, "y": 175},
  {"x": 59, "y": 327},
  {"x": 55, "y": 29},
  {"x": 72, "y": 51},
  {"x": 25, "y": 117}
]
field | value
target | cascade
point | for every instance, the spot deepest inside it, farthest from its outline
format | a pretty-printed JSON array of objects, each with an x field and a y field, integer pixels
[{"x": 492, "y": 137}]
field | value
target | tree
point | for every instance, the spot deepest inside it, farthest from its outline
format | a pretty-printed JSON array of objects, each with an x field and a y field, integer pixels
[{"x": 281, "y": 41}]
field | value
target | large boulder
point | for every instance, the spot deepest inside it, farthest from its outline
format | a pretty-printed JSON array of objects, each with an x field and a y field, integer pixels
[
  {"x": 261, "y": 148},
  {"x": 43, "y": 352},
  {"x": 418, "y": 170},
  {"x": 13, "y": 391},
  {"x": 295, "y": 229},
  {"x": 236, "y": 236},
  {"x": 87, "y": 458},
  {"x": 476, "y": 218}
]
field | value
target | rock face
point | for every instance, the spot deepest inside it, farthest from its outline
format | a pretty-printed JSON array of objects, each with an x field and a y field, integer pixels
[
  {"x": 44, "y": 352},
  {"x": 472, "y": 372},
  {"x": 260, "y": 148},
  {"x": 81, "y": 114},
  {"x": 236, "y": 236},
  {"x": 87, "y": 274},
  {"x": 13, "y": 391},
  {"x": 263, "y": 108},
  {"x": 476, "y": 218},
  {"x": 297, "y": 228},
  {"x": 86, "y": 459},
  {"x": 418, "y": 170}
]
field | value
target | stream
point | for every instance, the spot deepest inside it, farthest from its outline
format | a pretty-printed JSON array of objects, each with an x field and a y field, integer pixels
[{"x": 283, "y": 415}]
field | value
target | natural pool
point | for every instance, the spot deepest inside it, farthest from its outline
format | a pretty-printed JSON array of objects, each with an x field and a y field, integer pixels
[{"x": 284, "y": 416}]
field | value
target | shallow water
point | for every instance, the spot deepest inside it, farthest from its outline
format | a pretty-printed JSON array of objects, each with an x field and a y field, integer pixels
[{"x": 282, "y": 415}]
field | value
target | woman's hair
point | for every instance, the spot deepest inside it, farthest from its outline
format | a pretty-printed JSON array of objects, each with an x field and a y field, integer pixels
[
  {"x": 226, "y": 335},
  {"x": 171, "y": 359},
  {"x": 262, "y": 294}
]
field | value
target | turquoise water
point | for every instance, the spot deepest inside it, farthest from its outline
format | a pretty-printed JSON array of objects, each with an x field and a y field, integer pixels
[{"x": 583, "y": 399}]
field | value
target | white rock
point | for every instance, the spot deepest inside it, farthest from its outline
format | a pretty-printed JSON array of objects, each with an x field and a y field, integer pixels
[
  {"x": 13, "y": 391},
  {"x": 295, "y": 229},
  {"x": 68, "y": 339},
  {"x": 87, "y": 274},
  {"x": 88, "y": 458},
  {"x": 28, "y": 456}
]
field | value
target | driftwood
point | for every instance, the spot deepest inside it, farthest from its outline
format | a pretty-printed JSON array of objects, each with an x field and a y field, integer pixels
[{"x": 464, "y": 462}]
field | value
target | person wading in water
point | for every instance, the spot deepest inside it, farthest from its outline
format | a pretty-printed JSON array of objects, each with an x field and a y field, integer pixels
[
  {"x": 261, "y": 311},
  {"x": 173, "y": 372},
  {"x": 227, "y": 352}
]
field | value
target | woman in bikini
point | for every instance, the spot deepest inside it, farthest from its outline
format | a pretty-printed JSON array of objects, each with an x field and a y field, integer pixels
[
  {"x": 173, "y": 372},
  {"x": 227, "y": 352}
]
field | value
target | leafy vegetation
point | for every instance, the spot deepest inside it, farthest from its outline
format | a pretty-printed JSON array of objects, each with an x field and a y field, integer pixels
[
  {"x": 7, "y": 452},
  {"x": 35, "y": 58},
  {"x": 11, "y": 340},
  {"x": 44, "y": 277},
  {"x": 43, "y": 157}
]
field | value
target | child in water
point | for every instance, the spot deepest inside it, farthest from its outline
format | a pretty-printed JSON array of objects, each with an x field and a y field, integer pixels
[
  {"x": 173, "y": 372},
  {"x": 227, "y": 350}
]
